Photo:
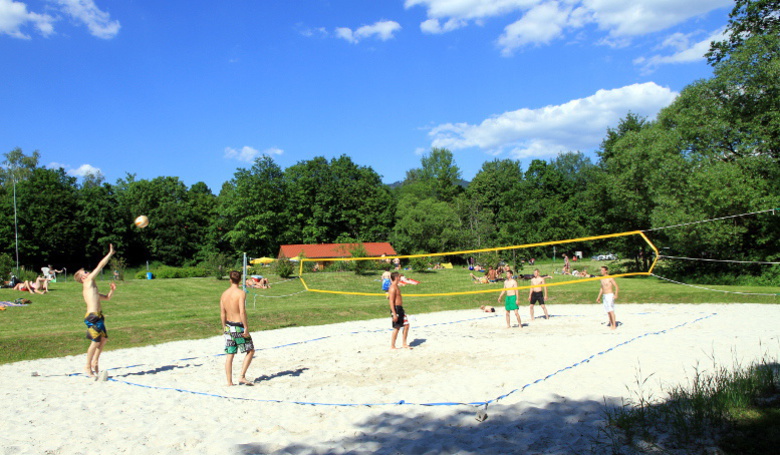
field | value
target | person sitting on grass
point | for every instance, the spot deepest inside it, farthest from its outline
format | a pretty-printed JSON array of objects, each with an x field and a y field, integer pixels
[{"x": 478, "y": 279}]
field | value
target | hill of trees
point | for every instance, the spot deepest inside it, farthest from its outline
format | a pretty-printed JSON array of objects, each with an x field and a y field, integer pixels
[{"x": 714, "y": 152}]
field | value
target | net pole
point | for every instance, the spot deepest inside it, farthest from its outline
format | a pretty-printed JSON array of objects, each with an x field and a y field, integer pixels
[
  {"x": 243, "y": 274},
  {"x": 657, "y": 254}
]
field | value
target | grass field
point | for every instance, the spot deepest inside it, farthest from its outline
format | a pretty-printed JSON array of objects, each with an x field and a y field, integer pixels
[{"x": 145, "y": 312}]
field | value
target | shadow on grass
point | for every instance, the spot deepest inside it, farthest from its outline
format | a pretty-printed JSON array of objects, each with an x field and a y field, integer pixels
[{"x": 559, "y": 427}]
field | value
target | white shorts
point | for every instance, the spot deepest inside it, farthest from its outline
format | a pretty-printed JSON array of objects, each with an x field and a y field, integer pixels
[{"x": 608, "y": 300}]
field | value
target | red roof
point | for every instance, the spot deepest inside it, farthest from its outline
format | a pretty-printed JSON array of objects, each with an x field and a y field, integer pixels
[{"x": 335, "y": 250}]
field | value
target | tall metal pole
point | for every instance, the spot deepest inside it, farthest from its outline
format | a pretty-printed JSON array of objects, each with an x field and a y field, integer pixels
[{"x": 16, "y": 224}]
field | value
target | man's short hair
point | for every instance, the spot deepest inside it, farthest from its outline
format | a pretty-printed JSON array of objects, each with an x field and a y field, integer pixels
[
  {"x": 605, "y": 268},
  {"x": 79, "y": 273},
  {"x": 235, "y": 276},
  {"x": 394, "y": 276}
]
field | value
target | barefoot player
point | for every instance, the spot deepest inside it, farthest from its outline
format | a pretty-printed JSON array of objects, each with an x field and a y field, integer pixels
[
  {"x": 537, "y": 294},
  {"x": 510, "y": 303},
  {"x": 607, "y": 297},
  {"x": 397, "y": 311},
  {"x": 237, "y": 338},
  {"x": 96, "y": 326}
]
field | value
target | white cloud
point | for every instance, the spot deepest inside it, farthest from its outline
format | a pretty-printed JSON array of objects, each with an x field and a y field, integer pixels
[
  {"x": 640, "y": 17},
  {"x": 382, "y": 30},
  {"x": 98, "y": 22},
  {"x": 542, "y": 21},
  {"x": 14, "y": 16},
  {"x": 248, "y": 154},
  {"x": 470, "y": 9},
  {"x": 434, "y": 27},
  {"x": 81, "y": 171},
  {"x": 540, "y": 133},
  {"x": 85, "y": 170},
  {"x": 685, "y": 51},
  {"x": 540, "y": 25},
  {"x": 308, "y": 32}
]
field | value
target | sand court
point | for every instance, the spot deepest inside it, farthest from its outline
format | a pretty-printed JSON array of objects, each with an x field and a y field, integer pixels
[
  {"x": 545, "y": 384},
  {"x": 355, "y": 367}
]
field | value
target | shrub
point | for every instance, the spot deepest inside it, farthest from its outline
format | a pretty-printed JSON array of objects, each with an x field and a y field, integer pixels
[
  {"x": 174, "y": 272},
  {"x": 283, "y": 267},
  {"x": 360, "y": 267},
  {"x": 215, "y": 264},
  {"x": 419, "y": 264},
  {"x": 118, "y": 264},
  {"x": 6, "y": 265}
]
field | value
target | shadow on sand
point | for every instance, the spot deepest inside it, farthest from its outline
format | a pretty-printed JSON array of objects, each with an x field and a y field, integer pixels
[
  {"x": 559, "y": 427},
  {"x": 293, "y": 373}
]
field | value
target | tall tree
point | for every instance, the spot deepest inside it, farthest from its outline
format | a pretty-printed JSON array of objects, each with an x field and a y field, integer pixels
[
  {"x": 748, "y": 19},
  {"x": 251, "y": 208},
  {"x": 438, "y": 177},
  {"x": 336, "y": 201}
]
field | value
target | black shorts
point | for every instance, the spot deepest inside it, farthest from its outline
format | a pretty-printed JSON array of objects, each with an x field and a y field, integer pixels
[
  {"x": 399, "y": 323},
  {"x": 537, "y": 297}
]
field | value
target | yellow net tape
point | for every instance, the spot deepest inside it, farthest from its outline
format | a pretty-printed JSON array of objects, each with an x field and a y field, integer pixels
[{"x": 483, "y": 250}]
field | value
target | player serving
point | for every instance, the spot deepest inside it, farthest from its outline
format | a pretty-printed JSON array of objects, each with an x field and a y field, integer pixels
[{"x": 94, "y": 319}]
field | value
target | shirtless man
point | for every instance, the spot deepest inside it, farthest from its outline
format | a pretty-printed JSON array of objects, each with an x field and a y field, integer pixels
[
  {"x": 96, "y": 326},
  {"x": 537, "y": 294},
  {"x": 510, "y": 303},
  {"x": 607, "y": 297},
  {"x": 397, "y": 311},
  {"x": 232, "y": 306}
]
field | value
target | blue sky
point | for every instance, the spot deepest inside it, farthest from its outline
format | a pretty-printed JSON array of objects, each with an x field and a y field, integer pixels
[{"x": 196, "y": 89}]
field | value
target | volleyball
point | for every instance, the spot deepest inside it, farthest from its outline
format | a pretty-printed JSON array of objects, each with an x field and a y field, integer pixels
[{"x": 142, "y": 221}]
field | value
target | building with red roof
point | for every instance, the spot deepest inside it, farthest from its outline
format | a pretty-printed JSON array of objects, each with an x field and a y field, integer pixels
[{"x": 335, "y": 250}]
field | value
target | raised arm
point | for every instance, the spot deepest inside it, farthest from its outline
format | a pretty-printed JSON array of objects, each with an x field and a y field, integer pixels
[{"x": 103, "y": 262}]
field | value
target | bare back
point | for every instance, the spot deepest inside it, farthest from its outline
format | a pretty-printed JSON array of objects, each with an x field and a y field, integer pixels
[{"x": 232, "y": 304}]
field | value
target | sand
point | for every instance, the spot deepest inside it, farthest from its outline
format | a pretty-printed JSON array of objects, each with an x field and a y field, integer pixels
[{"x": 545, "y": 385}]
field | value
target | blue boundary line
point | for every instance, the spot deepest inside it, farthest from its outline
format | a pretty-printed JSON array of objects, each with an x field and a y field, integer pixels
[{"x": 401, "y": 402}]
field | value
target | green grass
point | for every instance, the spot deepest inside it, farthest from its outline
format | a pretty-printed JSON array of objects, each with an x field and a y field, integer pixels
[
  {"x": 737, "y": 410},
  {"x": 145, "y": 312}
]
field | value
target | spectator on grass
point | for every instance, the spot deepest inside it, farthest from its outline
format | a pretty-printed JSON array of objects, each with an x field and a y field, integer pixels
[
  {"x": 492, "y": 275},
  {"x": 566, "y": 265},
  {"x": 257, "y": 282},
  {"x": 478, "y": 279}
]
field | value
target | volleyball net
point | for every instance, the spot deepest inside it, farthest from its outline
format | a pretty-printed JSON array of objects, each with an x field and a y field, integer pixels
[{"x": 475, "y": 271}]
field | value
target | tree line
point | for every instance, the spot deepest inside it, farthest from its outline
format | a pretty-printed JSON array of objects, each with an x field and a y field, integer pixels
[{"x": 715, "y": 151}]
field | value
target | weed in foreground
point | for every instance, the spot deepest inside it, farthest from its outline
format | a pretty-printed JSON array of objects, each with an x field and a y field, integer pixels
[{"x": 720, "y": 412}]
